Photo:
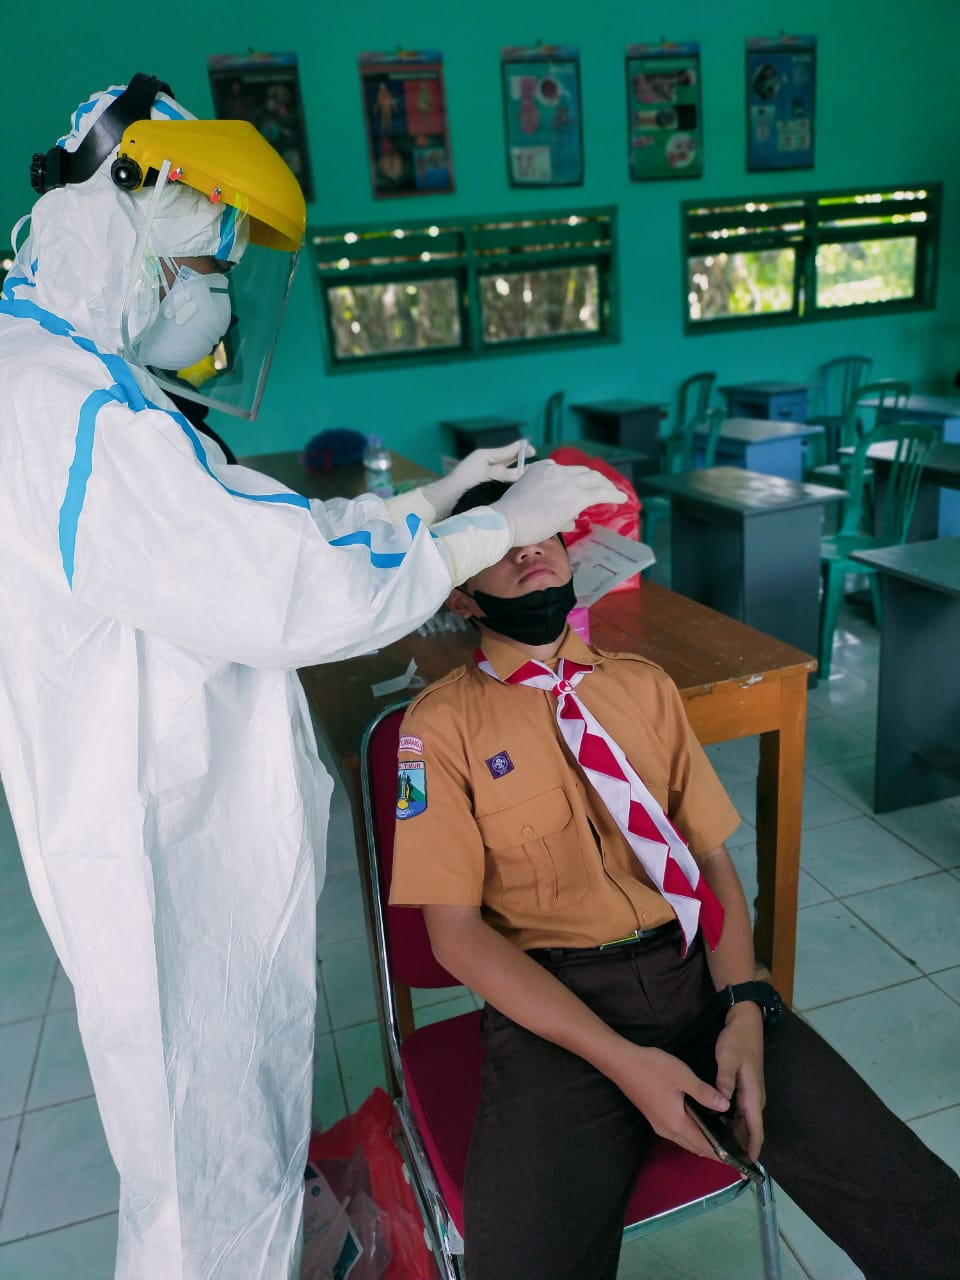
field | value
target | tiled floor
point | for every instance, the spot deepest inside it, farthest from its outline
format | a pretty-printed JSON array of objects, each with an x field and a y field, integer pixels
[{"x": 878, "y": 974}]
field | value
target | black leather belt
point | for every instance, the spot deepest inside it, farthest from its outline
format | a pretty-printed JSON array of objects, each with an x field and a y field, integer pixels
[{"x": 623, "y": 948}]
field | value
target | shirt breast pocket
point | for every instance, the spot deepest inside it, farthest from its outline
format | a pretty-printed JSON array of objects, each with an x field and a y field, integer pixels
[{"x": 535, "y": 852}]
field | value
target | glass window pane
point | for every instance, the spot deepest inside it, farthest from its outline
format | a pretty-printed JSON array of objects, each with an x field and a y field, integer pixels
[
  {"x": 863, "y": 271},
  {"x": 402, "y": 315},
  {"x": 540, "y": 304},
  {"x": 724, "y": 285}
]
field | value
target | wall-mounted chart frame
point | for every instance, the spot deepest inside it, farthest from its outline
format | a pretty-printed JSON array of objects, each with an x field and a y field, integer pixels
[
  {"x": 781, "y": 95},
  {"x": 542, "y": 115},
  {"x": 664, "y": 115},
  {"x": 264, "y": 88},
  {"x": 405, "y": 112}
]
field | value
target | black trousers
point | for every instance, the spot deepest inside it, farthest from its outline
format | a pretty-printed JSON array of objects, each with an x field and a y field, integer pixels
[{"x": 556, "y": 1146}]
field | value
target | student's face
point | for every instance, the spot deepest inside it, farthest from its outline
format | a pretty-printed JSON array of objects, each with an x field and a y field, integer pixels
[{"x": 522, "y": 570}]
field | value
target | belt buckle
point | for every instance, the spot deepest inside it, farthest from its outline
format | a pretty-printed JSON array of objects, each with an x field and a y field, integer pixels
[{"x": 622, "y": 942}]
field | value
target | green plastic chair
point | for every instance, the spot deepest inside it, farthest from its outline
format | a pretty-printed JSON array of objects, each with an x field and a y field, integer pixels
[
  {"x": 684, "y": 455},
  {"x": 553, "y": 420},
  {"x": 839, "y": 381},
  {"x": 887, "y": 398},
  {"x": 860, "y": 530},
  {"x": 693, "y": 404}
]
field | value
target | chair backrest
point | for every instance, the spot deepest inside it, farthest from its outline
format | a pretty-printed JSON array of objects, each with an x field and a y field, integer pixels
[
  {"x": 693, "y": 400},
  {"x": 405, "y": 958},
  {"x": 690, "y": 449},
  {"x": 840, "y": 379},
  {"x": 872, "y": 404},
  {"x": 553, "y": 419},
  {"x": 913, "y": 440}
]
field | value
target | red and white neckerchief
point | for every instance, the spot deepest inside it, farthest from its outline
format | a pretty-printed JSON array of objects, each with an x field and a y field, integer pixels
[{"x": 661, "y": 850}]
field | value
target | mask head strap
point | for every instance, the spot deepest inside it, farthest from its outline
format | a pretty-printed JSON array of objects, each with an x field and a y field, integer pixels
[{"x": 58, "y": 166}]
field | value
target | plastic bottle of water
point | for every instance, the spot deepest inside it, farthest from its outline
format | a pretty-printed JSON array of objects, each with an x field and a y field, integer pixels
[{"x": 378, "y": 468}]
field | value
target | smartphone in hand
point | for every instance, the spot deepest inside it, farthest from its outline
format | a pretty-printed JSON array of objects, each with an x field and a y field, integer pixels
[{"x": 717, "y": 1132}]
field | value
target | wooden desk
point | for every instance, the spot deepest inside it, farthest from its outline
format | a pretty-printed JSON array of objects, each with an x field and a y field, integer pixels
[
  {"x": 786, "y": 401},
  {"x": 482, "y": 433},
  {"x": 749, "y": 545},
  {"x": 769, "y": 447},
  {"x": 918, "y": 709},
  {"x": 630, "y": 424},
  {"x": 735, "y": 682}
]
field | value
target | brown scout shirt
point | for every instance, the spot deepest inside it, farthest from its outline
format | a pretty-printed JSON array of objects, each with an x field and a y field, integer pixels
[{"x": 511, "y": 824}]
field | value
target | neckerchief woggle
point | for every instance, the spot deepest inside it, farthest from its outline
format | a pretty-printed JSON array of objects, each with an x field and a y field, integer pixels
[{"x": 658, "y": 846}]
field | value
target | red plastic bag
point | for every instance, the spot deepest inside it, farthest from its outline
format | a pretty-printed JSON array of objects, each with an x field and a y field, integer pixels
[
  {"x": 359, "y": 1158},
  {"x": 623, "y": 518}
]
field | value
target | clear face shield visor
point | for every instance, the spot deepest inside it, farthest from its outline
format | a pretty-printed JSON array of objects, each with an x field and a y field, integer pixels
[{"x": 203, "y": 306}]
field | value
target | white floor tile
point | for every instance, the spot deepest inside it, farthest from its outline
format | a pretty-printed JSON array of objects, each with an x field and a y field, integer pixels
[
  {"x": 851, "y": 779},
  {"x": 21, "y": 928},
  {"x": 18, "y": 1051},
  {"x": 941, "y": 1133},
  {"x": 919, "y": 918},
  {"x": 61, "y": 1174},
  {"x": 858, "y": 854},
  {"x": 9, "y": 1129},
  {"x": 25, "y": 981},
  {"x": 340, "y": 910},
  {"x": 61, "y": 1073},
  {"x": 828, "y": 740},
  {"x": 328, "y": 1103},
  {"x": 361, "y": 1062},
  {"x": 934, "y": 829},
  {"x": 948, "y": 980},
  {"x": 62, "y": 997},
  {"x": 347, "y": 978},
  {"x": 86, "y": 1251},
  {"x": 904, "y": 1041},
  {"x": 839, "y": 957},
  {"x": 821, "y": 1258}
]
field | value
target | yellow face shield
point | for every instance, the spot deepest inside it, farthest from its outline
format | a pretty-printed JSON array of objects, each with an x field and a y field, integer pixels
[{"x": 228, "y": 162}]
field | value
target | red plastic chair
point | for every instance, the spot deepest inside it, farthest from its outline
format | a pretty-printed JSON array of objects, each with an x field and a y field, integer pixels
[{"x": 436, "y": 1068}]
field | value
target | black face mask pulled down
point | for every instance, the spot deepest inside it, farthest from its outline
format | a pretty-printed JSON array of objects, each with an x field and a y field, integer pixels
[{"x": 537, "y": 618}]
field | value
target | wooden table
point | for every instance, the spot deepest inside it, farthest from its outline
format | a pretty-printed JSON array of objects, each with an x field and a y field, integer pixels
[
  {"x": 937, "y": 514},
  {"x": 749, "y": 545},
  {"x": 482, "y": 433},
  {"x": 918, "y": 707},
  {"x": 735, "y": 682},
  {"x": 786, "y": 401},
  {"x": 631, "y": 424},
  {"x": 770, "y": 447}
]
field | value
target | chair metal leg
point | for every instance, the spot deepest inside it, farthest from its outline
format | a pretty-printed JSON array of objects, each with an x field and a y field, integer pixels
[{"x": 769, "y": 1235}]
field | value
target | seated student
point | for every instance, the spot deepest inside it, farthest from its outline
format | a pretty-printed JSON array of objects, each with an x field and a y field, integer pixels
[{"x": 597, "y": 912}]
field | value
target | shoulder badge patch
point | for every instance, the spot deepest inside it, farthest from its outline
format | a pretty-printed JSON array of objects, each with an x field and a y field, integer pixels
[
  {"x": 409, "y": 743},
  {"x": 411, "y": 788}
]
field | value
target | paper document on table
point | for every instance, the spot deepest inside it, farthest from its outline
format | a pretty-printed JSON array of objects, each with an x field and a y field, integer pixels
[
  {"x": 604, "y": 558},
  {"x": 410, "y": 679}
]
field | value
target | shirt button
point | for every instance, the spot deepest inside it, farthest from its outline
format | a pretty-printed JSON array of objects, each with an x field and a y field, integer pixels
[{"x": 526, "y": 831}]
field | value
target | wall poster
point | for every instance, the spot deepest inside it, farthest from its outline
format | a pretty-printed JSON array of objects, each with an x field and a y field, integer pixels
[
  {"x": 405, "y": 109},
  {"x": 264, "y": 88},
  {"x": 664, "y": 121},
  {"x": 781, "y": 83},
  {"x": 541, "y": 108}
]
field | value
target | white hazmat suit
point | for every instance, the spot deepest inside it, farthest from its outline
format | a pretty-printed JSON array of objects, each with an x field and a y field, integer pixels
[{"x": 155, "y": 744}]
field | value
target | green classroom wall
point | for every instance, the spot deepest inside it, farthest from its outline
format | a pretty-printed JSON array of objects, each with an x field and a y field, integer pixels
[{"x": 888, "y": 111}]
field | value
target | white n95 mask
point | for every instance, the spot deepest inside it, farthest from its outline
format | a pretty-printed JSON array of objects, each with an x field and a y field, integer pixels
[{"x": 194, "y": 315}]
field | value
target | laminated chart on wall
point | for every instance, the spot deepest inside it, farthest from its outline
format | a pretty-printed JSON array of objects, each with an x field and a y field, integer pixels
[
  {"x": 781, "y": 87},
  {"x": 542, "y": 115},
  {"x": 405, "y": 109},
  {"x": 264, "y": 88},
  {"x": 664, "y": 118}
]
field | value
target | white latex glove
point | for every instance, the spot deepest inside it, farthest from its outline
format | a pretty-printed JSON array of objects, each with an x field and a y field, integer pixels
[
  {"x": 548, "y": 498},
  {"x": 482, "y": 464}
]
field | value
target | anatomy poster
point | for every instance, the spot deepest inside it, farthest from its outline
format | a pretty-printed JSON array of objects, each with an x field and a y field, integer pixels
[
  {"x": 664, "y": 121},
  {"x": 541, "y": 104},
  {"x": 781, "y": 83},
  {"x": 406, "y": 115}
]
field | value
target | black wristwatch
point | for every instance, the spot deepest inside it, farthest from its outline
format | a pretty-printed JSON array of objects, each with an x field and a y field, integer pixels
[{"x": 761, "y": 993}]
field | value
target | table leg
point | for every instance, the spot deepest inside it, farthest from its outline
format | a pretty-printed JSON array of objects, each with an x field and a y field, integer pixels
[{"x": 779, "y": 817}]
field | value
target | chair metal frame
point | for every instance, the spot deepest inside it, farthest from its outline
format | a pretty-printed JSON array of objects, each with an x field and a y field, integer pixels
[
  {"x": 397, "y": 1024},
  {"x": 682, "y": 456},
  {"x": 840, "y": 379}
]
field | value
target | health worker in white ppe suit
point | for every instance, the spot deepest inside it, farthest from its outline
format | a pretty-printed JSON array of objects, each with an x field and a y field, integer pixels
[{"x": 155, "y": 745}]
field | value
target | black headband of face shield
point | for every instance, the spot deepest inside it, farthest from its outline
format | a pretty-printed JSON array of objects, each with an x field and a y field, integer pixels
[{"x": 58, "y": 167}]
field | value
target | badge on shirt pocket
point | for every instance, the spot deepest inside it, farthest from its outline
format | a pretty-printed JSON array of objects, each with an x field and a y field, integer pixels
[{"x": 411, "y": 788}]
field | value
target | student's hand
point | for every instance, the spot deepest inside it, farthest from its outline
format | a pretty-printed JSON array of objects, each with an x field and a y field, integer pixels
[
  {"x": 740, "y": 1074},
  {"x": 655, "y": 1082},
  {"x": 482, "y": 464}
]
